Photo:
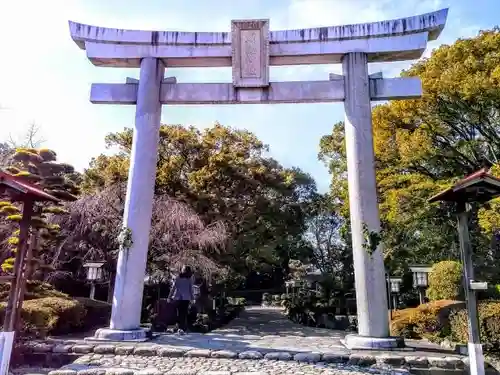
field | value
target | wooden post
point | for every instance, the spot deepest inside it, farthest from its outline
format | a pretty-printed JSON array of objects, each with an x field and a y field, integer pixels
[
  {"x": 474, "y": 346},
  {"x": 26, "y": 275},
  {"x": 12, "y": 303}
]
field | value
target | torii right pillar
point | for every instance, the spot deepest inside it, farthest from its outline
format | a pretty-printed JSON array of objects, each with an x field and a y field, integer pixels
[{"x": 371, "y": 299}]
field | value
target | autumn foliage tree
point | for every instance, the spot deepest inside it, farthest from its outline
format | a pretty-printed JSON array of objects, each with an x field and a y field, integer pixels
[
  {"x": 423, "y": 146},
  {"x": 40, "y": 168}
]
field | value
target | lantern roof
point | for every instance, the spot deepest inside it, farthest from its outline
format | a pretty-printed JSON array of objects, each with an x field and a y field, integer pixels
[
  {"x": 21, "y": 190},
  {"x": 480, "y": 186}
]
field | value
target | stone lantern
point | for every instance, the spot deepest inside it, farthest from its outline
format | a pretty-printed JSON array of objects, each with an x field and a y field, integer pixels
[
  {"x": 95, "y": 273},
  {"x": 421, "y": 279},
  {"x": 395, "y": 288}
]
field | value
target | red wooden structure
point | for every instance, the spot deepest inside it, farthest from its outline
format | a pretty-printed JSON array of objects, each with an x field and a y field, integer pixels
[{"x": 28, "y": 194}]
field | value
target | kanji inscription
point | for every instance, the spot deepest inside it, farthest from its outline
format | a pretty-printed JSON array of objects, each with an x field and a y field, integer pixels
[{"x": 250, "y": 54}]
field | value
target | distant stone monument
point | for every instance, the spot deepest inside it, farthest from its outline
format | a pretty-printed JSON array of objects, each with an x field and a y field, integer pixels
[{"x": 250, "y": 49}]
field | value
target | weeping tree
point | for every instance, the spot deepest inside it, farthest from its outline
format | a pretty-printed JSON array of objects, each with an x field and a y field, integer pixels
[
  {"x": 178, "y": 235},
  {"x": 40, "y": 168}
]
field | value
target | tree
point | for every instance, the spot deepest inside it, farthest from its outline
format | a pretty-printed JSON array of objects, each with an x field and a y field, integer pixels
[
  {"x": 423, "y": 146},
  {"x": 39, "y": 168},
  {"x": 331, "y": 255},
  {"x": 224, "y": 175}
]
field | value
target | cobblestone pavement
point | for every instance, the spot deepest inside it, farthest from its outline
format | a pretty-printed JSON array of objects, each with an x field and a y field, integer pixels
[
  {"x": 211, "y": 366},
  {"x": 262, "y": 341}
]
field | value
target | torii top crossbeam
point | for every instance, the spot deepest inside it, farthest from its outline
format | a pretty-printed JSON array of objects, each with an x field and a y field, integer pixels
[
  {"x": 250, "y": 49},
  {"x": 394, "y": 40}
]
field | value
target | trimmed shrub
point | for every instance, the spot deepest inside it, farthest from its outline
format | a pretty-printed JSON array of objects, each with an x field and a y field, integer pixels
[
  {"x": 445, "y": 281},
  {"x": 70, "y": 313},
  {"x": 429, "y": 321},
  {"x": 489, "y": 323},
  {"x": 441, "y": 320},
  {"x": 44, "y": 316}
]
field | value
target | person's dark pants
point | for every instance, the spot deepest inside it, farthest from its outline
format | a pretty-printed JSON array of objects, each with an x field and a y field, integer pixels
[{"x": 182, "y": 307}]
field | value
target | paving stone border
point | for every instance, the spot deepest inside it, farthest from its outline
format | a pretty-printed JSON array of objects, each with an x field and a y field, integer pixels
[{"x": 73, "y": 351}]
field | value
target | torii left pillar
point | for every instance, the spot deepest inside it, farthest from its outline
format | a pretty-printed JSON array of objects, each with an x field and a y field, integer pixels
[{"x": 131, "y": 265}]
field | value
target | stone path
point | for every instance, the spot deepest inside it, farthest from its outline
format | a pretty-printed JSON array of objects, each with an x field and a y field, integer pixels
[
  {"x": 260, "y": 341},
  {"x": 263, "y": 329}
]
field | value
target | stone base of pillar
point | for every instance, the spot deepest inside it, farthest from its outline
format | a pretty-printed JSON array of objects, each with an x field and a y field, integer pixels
[
  {"x": 108, "y": 334},
  {"x": 373, "y": 343}
]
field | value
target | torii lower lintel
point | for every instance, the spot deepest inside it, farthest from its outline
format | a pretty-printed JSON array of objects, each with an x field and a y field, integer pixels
[{"x": 275, "y": 93}]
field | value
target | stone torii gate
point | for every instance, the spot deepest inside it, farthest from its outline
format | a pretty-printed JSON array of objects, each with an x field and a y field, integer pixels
[{"x": 250, "y": 49}]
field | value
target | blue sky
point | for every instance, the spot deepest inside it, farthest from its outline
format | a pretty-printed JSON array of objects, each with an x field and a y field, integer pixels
[{"x": 46, "y": 78}]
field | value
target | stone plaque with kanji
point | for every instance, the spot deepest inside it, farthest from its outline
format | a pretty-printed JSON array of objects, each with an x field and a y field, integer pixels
[{"x": 250, "y": 53}]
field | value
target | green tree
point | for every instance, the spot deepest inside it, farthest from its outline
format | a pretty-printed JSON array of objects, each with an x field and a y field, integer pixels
[{"x": 331, "y": 254}]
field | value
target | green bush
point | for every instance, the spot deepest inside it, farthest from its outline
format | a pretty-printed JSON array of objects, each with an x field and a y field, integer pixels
[
  {"x": 445, "y": 281},
  {"x": 237, "y": 301},
  {"x": 307, "y": 308},
  {"x": 45, "y": 316},
  {"x": 489, "y": 323}
]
